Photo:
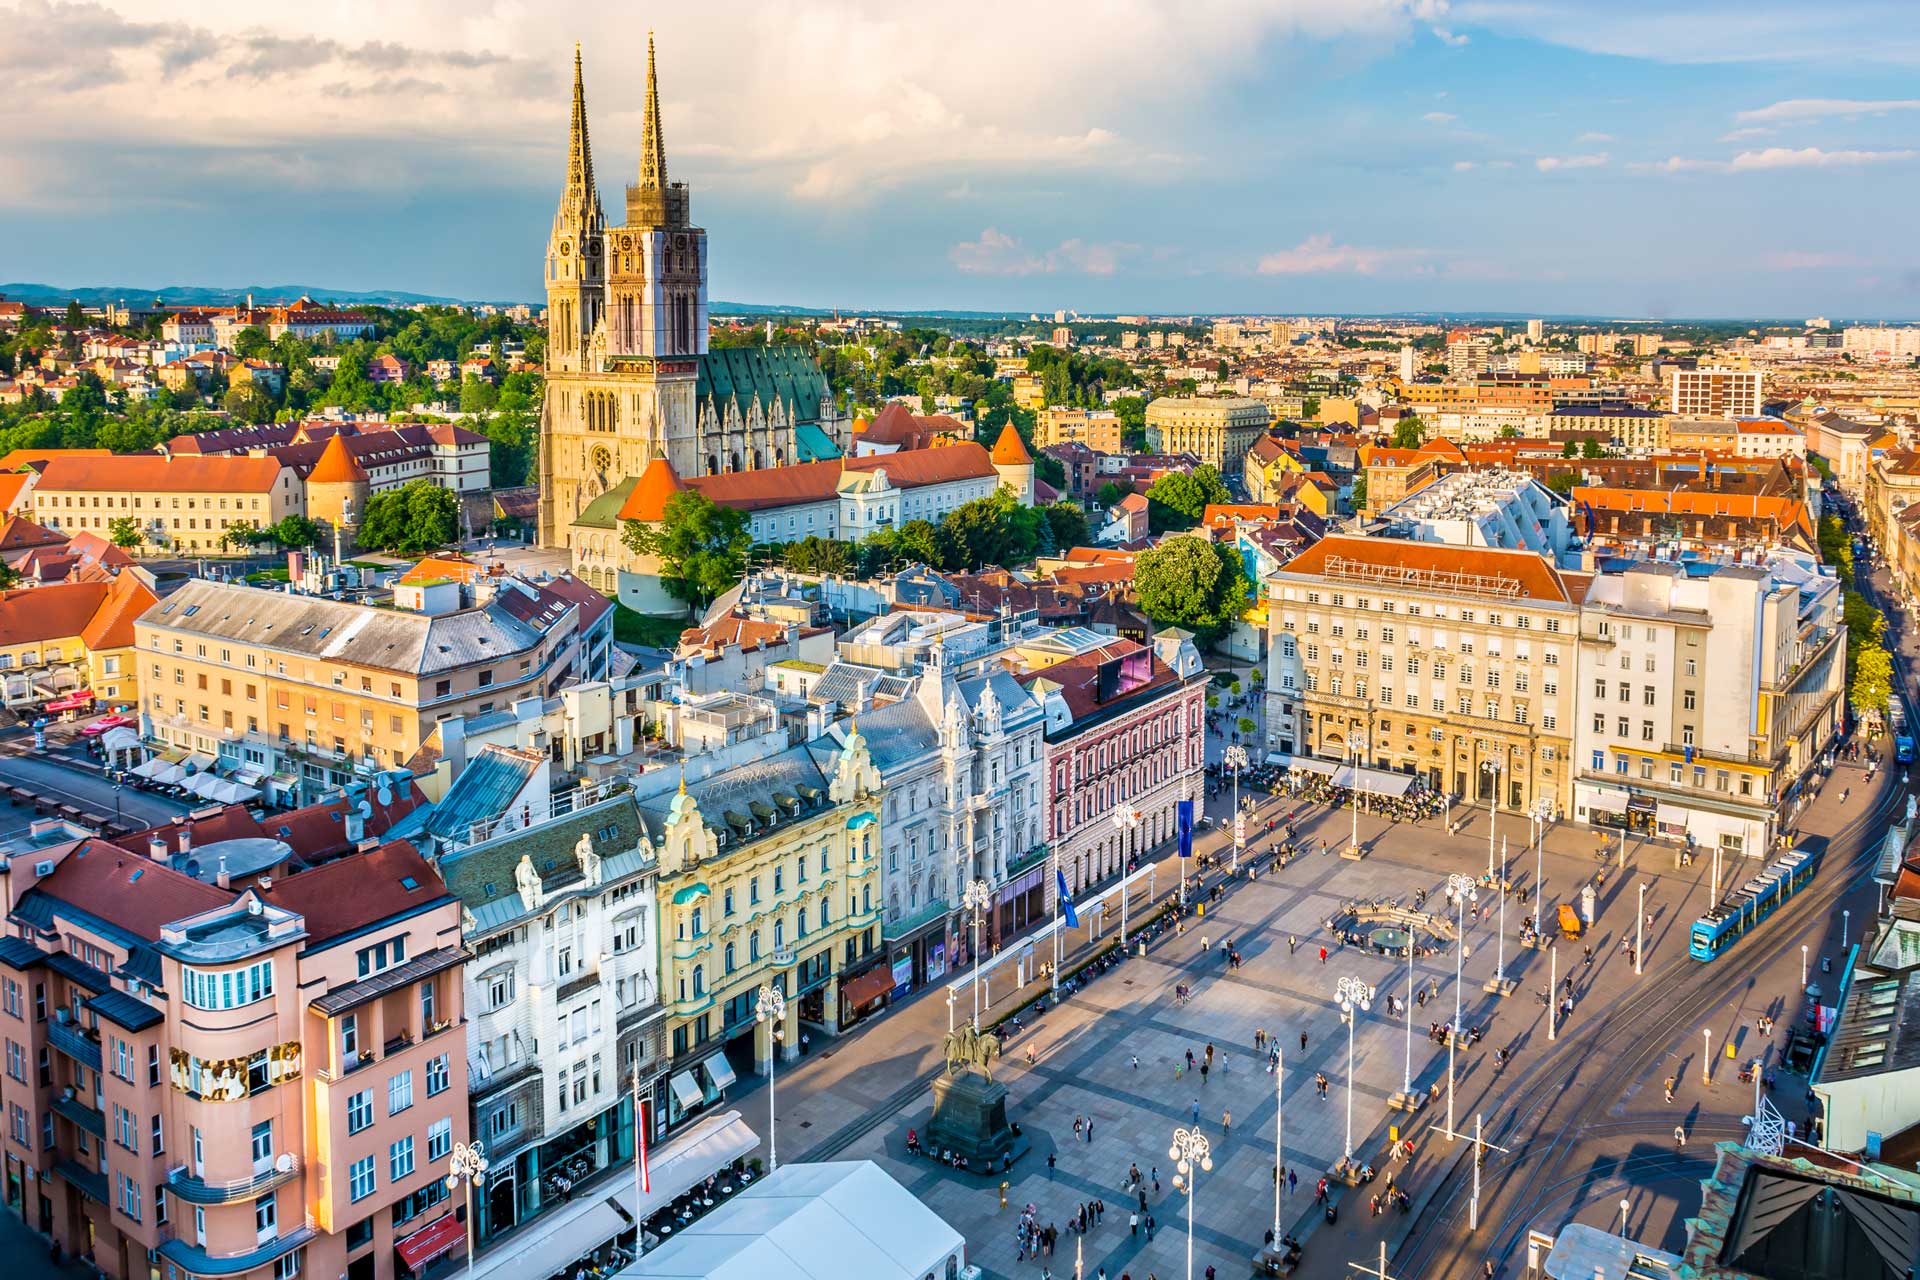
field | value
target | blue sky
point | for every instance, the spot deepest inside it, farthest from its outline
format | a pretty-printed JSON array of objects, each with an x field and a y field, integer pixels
[{"x": 1631, "y": 158}]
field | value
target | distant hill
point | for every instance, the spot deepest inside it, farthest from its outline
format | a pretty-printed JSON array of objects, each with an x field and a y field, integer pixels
[{"x": 198, "y": 296}]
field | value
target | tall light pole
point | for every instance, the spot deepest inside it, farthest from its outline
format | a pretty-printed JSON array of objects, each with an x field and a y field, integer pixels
[
  {"x": 1553, "y": 989},
  {"x": 1237, "y": 757},
  {"x": 976, "y": 900},
  {"x": 1127, "y": 822},
  {"x": 467, "y": 1169},
  {"x": 1460, "y": 889},
  {"x": 1803, "y": 966},
  {"x": 1706, "y": 1059},
  {"x": 1354, "y": 997},
  {"x": 1540, "y": 863},
  {"x": 1359, "y": 745},
  {"x": 1492, "y": 767},
  {"x": 1279, "y": 1134},
  {"x": 640, "y": 1166},
  {"x": 1499, "y": 984},
  {"x": 1406, "y": 1078},
  {"x": 1640, "y": 931},
  {"x": 1191, "y": 1154},
  {"x": 770, "y": 1007},
  {"x": 1846, "y": 918}
]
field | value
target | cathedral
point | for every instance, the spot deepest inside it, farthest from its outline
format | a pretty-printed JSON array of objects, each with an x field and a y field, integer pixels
[{"x": 629, "y": 377}]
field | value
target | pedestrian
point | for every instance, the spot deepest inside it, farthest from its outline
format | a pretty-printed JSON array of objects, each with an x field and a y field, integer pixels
[
  {"x": 1303, "y": 1035},
  {"x": 1049, "y": 1166},
  {"x": 1293, "y": 1180},
  {"x": 1150, "y": 1222},
  {"x": 1133, "y": 1224},
  {"x": 1209, "y": 1053},
  {"x": 1136, "y": 1062},
  {"x": 1323, "y": 955},
  {"x": 1293, "y": 944},
  {"x": 1076, "y": 1128},
  {"x": 1203, "y": 1075},
  {"x": 1189, "y": 1059},
  {"x": 1669, "y": 1088},
  {"x": 1156, "y": 1179},
  {"x": 1679, "y": 1136},
  {"x": 1196, "y": 1111},
  {"x": 1089, "y": 1130},
  {"x": 1226, "y": 1124}
]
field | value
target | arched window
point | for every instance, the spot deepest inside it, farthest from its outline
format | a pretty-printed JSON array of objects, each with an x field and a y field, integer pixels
[
  {"x": 823, "y": 913},
  {"x": 779, "y": 934},
  {"x": 753, "y": 945},
  {"x": 866, "y": 897},
  {"x": 699, "y": 922},
  {"x": 729, "y": 959}
]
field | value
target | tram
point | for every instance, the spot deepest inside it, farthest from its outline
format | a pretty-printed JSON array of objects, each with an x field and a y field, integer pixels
[{"x": 1751, "y": 903}]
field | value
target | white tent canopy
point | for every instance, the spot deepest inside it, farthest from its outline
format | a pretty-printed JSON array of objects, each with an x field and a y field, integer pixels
[{"x": 812, "y": 1222}]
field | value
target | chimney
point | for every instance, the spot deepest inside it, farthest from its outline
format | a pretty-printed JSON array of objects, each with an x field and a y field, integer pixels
[
  {"x": 157, "y": 848},
  {"x": 356, "y": 823},
  {"x": 186, "y": 839},
  {"x": 221, "y": 877}
]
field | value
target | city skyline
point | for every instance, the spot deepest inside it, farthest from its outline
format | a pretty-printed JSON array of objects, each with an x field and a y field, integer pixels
[{"x": 1405, "y": 155}]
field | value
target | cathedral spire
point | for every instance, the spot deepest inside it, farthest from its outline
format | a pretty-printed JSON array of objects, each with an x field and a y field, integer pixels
[
  {"x": 579, "y": 150},
  {"x": 653, "y": 148}
]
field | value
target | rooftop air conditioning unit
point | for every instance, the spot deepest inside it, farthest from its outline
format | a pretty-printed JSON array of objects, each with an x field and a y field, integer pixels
[{"x": 44, "y": 867}]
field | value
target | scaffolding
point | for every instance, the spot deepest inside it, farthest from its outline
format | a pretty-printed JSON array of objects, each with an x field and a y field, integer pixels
[{"x": 1445, "y": 581}]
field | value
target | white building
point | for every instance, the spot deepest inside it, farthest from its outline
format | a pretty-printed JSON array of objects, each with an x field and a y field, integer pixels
[
  {"x": 1714, "y": 392},
  {"x": 1503, "y": 509}
]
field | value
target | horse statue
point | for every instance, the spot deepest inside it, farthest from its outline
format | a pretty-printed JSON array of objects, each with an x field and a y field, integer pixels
[{"x": 970, "y": 1049}]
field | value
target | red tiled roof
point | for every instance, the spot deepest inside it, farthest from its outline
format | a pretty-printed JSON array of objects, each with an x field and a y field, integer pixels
[
  {"x": 151, "y": 473},
  {"x": 1228, "y": 512},
  {"x": 111, "y": 627},
  {"x": 12, "y": 487},
  {"x": 18, "y": 533},
  {"x": 592, "y": 604},
  {"x": 130, "y": 890},
  {"x": 337, "y": 465},
  {"x": 1536, "y": 579},
  {"x": 648, "y": 501},
  {"x": 348, "y": 894},
  {"x": 818, "y": 481},
  {"x": 1008, "y": 450},
  {"x": 34, "y": 615},
  {"x": 1078, "y": 677}
]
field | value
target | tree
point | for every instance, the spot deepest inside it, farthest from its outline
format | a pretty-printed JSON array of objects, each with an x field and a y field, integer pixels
[
  {"x": 1836, "y": 548},
  {"x": 1110, "y": 493},
  {"x": 1245, "y": 725},
  {"x": 1358, "y": 497},
  {"x": 1563, "y": 482},
  {"x": 299, "y": 531},
  {"x": 919, "y": 541},
  {"x": 76, "y": 319},
  {"x": 1050, "y": 469},
  {"x": 9, "y": 576},
  {"x": 1409, "y": 433},
  {"x": 992, "y": 530},
  {"x": 1192, "y": 583},
  {"x": 418, "y": 516},
  {"x": 702, "y": 546},
  {"x": 248, "y": 403},
  {"x": 1068, "y": 524},
  {"x": 1570, "y": 450},
  {"x": 1178, "y": 499},
  {"x": 1591, "y": 448},
  {"x": 1132, "y": 412},
  {"x": 124, "y": 531},
  {"x": 1872, "y": 683},
  {"x": 814, "y": 554}
]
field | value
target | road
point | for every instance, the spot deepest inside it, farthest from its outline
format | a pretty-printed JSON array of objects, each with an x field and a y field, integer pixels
[{"x": 59, "y": 778}]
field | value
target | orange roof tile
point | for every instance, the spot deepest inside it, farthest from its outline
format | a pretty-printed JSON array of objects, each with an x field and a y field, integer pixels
[
  {"x": 337, "y": 465},
  {"x": 1534, "y": 577},
  {"x": 648, "y": 501},
  {"x": 12, "y": 487},
  {"x": 818, "y": 481},
  {"x": 1008, "y": 450},
  {"x": 112, "y": 625},
  {"x": 58, "y": 611},
  {"x": 151, "y": 473}
]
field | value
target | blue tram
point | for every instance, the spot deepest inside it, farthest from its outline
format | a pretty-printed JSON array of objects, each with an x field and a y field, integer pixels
[{"x": 1751, "y": 903}]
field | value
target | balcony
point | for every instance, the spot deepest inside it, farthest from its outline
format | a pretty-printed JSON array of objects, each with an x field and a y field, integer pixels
[
  {"x": 925, "y": 915},
  {"x": 80, "y": 1045},
  {"x": 1021, "y": 862},
  {"x": 86, "y": 1117},
  {"x": 192, "y": 1258},
  {"x": 203, "y": 1191}
]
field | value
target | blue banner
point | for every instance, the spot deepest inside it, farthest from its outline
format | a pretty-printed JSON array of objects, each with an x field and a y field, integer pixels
[
  {"x": 1185, "y": 811},
  {"x": 1066, "y": 900}
]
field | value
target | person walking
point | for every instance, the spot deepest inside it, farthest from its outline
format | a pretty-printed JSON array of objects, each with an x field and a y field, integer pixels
[
  {"x": 1303, "y": 1042},
  {"x": 1226, "y": 1124},
  {"x": 1050, "y": 1166},
  {"x": 1196, "y": 1113},
  {"x": 1679, "y": 1136},
  {"x": 1089, "y": 1130},
  {"x": 1670, "y": 1083}
]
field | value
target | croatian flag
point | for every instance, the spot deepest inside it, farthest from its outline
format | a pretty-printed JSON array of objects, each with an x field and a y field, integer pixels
[
  {"x": 1066, "y": 900},
  {"x": 1185, "y": 811},
  {"x": 640, "y": 1130}
]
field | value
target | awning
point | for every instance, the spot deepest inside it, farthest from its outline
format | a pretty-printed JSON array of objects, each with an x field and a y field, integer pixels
[
  {"x": 198, "y": 762},
  {"x": 169, "y": 775},
  {"x": 698, "y": 889},
  {"x": 1641, "y": 804},
  {"x": 1373, "y": 782},
  {"x": 866, "y": 987},
  {"x": 430, "y": 1241},
  {"x": 720, "y": 1071},
  {"x": 201, "y": 784},
  {"x": 1606, "y": 801},
  {"x": 150, "y": 768},
  {"x": 686, "y": 1091},
  {"x": 120, "y": 738},
  {"x": 76, "y": 701}
]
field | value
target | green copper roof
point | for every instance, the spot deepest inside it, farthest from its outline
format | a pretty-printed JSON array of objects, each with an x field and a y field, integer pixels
[
  {"x": 767, "y": 374},
  {"x": 813, "y": 444},
  {"x": 604, "y": 511}
]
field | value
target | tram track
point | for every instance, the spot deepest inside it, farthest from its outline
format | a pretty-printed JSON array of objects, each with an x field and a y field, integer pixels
[{"x": 1620, "y": 1041}]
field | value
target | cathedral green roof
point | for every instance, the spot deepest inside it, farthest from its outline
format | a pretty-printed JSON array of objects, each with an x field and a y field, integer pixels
[
  {"x": 767, "y": 374},
  {"x": 813, "y": 444},
  {"x": 604, "y": 511}
]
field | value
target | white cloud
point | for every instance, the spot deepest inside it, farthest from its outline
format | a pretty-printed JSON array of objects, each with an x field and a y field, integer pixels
[
  {"x": 1439, "y": 117},
  {"x": 1812, "y": 158},
  {"x": 1794, "y": 109},
  {"x": 1675, "y": 164},
  {"x": 1594, "y": 137},
  {"x": 1706, "y": 31},
  {"x": 1319, "y": 255},
  {"x": 995, "y": 253},
  {"x": 1553, "y": 164},
  {"x": 1746, "y": 135}
]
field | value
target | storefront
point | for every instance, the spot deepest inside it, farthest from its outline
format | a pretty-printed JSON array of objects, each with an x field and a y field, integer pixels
[
  {"x": 866, "y": 993},
  {"x": 1020, "y": 903},
  {"x": 526, "y": 1183},
  {"x": 692, "y": 1091},
  {"x": 922, "y": 942}
]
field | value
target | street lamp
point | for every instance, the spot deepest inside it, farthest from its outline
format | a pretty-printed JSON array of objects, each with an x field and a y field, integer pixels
[
  {"x": 1127, "y": 822},
  {"x": 1236, "y": 756},
  {"x": 1500, "y": 936},
  {"x": 467, "y": 1168},
  {"x": 1845, "y": 918},
  {"x": 1279, "y": 1145},
  {"x": 976, "y": 900},
  {"x": 1803, "y": 966},
  {"x": 1492, "y": 768},
  {"x": 1461, "y": 891},
  {"x": 1359, "y": 745},
  {"x": 1354, "y": 997},
  {"x": 1640, "y": 931},
  {"x": 770, "y": 1007},
  {"x": 1191, "y": 1154}
]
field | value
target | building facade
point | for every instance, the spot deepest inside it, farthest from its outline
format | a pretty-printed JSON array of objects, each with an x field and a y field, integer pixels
[
  {"x": 1714, "y": 392},
  {"x": 1217, "y": 430},
  {"x": 1453, "y": 664},
  {"x": 178, "y": 506}
]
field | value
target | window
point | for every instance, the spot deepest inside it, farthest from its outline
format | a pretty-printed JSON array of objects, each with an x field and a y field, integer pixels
[
  {"x": 287, "y": 1265},
  {"x": 157, "y": 1135},
  {"x": 260, "y": 1143},
  {"x": 229, "y": 989},
  {"x": 439, "y": 1139},
  {"x": 129, "y": 1196},
  {"x": 359, "y": 1111},
  {"x": 382, "y": 956},
  {"x": 400, "y": 1159},
  {"x": 437, "y": 1075},
  {"x": 266, "y": 1218},
  {"x": 360, "y": 1178},
  {"x": 500, "y": 990},
  {"x": 399, "y": 1093}
]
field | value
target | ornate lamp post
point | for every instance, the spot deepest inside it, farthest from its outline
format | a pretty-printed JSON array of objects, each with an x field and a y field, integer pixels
[
  {"x": 1460, "y": 891},
  {"x": 1359, "y": 745},
  {"x": 1191, "y": 1154},
  {"x": 1126, "y": 821},
  {"x": 770, "y": 1007},
  {"x": 1492, "y": 767},
  {"x": 1354, "y": 997},
  {"x": 976, "y": 900},
  {"x": 467, "y": 1169},
  {"x": 1236, "y": 756}
]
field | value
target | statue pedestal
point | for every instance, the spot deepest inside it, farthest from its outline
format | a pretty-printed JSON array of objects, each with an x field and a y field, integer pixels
[{"x": 970, "y": 1117}]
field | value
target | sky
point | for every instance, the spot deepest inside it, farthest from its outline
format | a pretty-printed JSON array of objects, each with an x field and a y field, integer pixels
[{"x": 1630, "y": 158}]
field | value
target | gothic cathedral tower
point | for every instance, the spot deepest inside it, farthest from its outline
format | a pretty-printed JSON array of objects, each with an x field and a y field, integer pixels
[{"x": 626, "y": 328}]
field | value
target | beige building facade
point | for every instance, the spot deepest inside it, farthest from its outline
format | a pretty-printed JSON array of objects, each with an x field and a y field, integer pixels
[
  {"x": 179, "y": 506},
  {"x": 1217, "y": 430}
]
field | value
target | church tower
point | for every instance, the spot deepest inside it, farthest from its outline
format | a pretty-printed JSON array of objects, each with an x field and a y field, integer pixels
[
  {"x": 657, "y": 276},
  {"x": 576, "y": 250}
]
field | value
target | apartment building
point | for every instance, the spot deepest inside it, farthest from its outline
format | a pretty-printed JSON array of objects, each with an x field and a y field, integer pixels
[
  {"x": 1124, "y": 731},
  {"x": 1454, "y": 664},
  {"x": 563, "y": 1002},
  {"x": 180, "y": 506},
  {"x": 1707, "y": 692},
  {"x": 205, "y": 1079},
  {"x": 1634, "y": 430},
  {"x": 309, "y": 691},
  {"x": 1098, "y": 429},
  {"x": 1218, "y": 430},
  {"x": 1712, "y": 392},
  {"x": 68, "y": 638},
  {"x": 769, "y": 876}
]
